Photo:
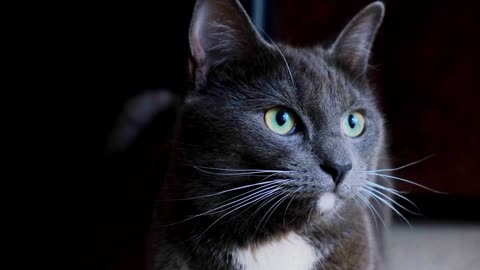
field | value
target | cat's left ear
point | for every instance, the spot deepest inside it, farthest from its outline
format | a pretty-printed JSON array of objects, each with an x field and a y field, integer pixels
[{"x": 353, "y": 45}]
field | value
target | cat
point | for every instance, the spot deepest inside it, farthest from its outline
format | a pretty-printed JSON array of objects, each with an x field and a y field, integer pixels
[{"x": 274, "y": 149}]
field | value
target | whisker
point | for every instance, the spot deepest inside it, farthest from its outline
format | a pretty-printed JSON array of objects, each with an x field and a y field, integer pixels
[
  {"x": 260, "y": 192},
  {"x": 264, "y": 204},
  {"x": 375, "y": 197},
  {"x": 339, "y": 216},
  {"x": 373, "y": 183},
  {"x": 265, "y": 197},
  {"x": 276, "y": 205},
  {"x": 369, "y": 208},
  {"x": 392, "y": 191},
  {"x": 390, "y": 177},
  {"x": 288, "y": 205},
  {"x": 236, "y": 174},
  {"x": 310, "y": 213},
  {"x": 403, "y": 166},
  {"x": 392, "y": 200},
  {"x": 215, "y": 210},
  {"x": 281, "y": 54},
  {"x": 367, "y": 201},
  {"x": 234, "y": 189},
  {"x": 217, "y": 220},
  {"x": 239, "y": 170}
]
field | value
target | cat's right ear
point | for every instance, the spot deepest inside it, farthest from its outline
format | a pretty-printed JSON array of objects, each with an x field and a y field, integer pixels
[
  {"x": 220, "y": 31},
  {"x": 354, "y": 43}
]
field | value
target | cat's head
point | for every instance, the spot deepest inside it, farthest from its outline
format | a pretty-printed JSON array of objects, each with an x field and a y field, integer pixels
[{"x": 289, "y": 127}]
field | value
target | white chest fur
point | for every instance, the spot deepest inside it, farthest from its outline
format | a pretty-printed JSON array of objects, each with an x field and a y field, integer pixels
[{"x": 291, "y": 252}]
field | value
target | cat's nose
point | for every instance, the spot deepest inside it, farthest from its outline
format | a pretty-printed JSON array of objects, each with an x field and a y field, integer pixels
[{"x": 337, "y": 171}]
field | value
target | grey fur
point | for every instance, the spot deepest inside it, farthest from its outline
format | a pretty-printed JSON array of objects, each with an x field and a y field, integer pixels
[{"x": 222, "y": 126}]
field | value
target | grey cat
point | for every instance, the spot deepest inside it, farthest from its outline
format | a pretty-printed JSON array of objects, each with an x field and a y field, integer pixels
[{"x": 274, "y": 149}]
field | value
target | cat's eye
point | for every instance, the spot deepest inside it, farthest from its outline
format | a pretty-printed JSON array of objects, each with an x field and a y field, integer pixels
[
  {"x": 353, "y": 124},
  {"x": 280, "y": 120}
]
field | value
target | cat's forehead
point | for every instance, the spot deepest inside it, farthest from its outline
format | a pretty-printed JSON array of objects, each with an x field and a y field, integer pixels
[{"x": 317, "y": 81}]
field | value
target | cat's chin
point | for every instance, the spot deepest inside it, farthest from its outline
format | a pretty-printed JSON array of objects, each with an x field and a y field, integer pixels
[{"x": 327, "y": 203}]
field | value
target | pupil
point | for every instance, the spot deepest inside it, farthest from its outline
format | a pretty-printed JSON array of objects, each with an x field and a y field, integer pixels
[
  {"x": 281, "y": 118},
  {"x": 352, "y": 121}
]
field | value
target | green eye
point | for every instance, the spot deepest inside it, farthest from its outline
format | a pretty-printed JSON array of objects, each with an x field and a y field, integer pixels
[
  {"x": 280, "y": 120},
  {"x": 353, "y": 124}
]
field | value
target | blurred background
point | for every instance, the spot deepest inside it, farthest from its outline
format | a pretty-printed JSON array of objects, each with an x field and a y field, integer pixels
[{"x": 422, "y": 67}]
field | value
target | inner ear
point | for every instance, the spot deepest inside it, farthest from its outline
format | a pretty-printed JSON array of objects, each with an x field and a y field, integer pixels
[{"x": 221, "y": 31}]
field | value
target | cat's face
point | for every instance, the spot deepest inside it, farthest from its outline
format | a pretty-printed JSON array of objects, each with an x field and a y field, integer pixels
[{"x": 305, "y": 116}]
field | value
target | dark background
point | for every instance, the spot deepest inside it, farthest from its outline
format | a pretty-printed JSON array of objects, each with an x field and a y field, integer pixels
[{"x": 422, "y": 65}]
